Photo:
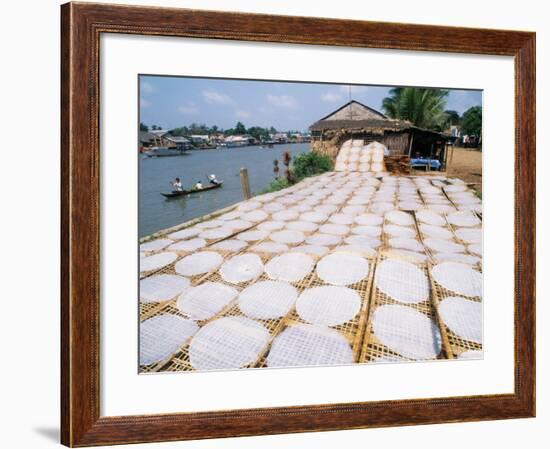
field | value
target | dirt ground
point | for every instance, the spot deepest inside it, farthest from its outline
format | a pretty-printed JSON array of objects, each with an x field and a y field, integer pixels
[{"x": 466, "y": 165}]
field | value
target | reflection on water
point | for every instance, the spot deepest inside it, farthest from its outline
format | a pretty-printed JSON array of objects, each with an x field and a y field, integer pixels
[{"x": 157, "y": 212}]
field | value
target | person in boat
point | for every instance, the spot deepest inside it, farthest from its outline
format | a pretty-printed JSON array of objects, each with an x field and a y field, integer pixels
[
  {"x": 198, "y": 185},
  {"x": 176, "y": 185},
  {"x": 213, "y": 180}
]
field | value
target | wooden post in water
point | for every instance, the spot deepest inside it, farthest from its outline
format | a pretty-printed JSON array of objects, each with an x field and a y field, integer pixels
[{"x": 245, "y": 184}]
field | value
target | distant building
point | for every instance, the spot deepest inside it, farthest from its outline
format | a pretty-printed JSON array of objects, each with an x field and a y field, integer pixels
[
  {"x": 279, "y": 137},
  {"x": 179, "y": 142},
  {"x": 237, "y": 141}
]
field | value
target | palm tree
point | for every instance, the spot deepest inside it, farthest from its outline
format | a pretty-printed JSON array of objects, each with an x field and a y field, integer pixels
[{"x": 425, "y": 108}]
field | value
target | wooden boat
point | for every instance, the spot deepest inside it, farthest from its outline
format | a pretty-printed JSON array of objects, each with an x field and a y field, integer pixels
[{"x": 176, "y": 193}]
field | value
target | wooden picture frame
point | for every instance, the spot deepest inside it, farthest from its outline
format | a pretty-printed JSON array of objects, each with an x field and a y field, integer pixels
[{"x": 81, "y": 27}]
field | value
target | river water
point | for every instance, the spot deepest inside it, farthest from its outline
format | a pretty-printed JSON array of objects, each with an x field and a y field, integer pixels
[{"x": 157, "y": 212}]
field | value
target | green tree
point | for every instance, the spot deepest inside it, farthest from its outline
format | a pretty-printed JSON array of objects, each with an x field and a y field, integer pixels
[
  {"x": 471, "y": 121},
  {"x": 310, "y": 163},
  {"x": 143, "y": 127},
  {"x": 422, "y": 107},
  {"x": 240, "y": 128},
  {"x": 453, "y": 118}
]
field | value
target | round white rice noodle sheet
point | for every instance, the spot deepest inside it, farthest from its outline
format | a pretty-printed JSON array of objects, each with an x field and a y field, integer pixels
[
  {"x": 184, "y": 233},
  {"x": 248, "y": 206},
  {"x": 315, "y": 217},
  {"x": 353, "y": 166},
  {"x": 357, "y": 143},
  {"x": 370, "y": 231},
  {"x": 209, "y": 224},
  {"x": 155, "y": 245},
  {"x": 317, "y": 250},
  {"x": 291, "y": 267},
  {"x": 457, "y": 257},
  {"x": 362, "y": 240},
  {"x": 412, "y": 256},
  {"x": 471, "y": 354},
  {"x": 215, "y": 234},
  {"x": 340, "y": 166},
  {"x": 188, "y": 245},
  {"x": 271, "y": 225},
  {"x": 304, "y": 226},
  {"x": 161, "y": 287},
  {"x": 463, "y": 218},
  {"x": 241, "y": 268},
  {"x": 430, "y": 190},
  {"x": 409, "y": 205},
  {"x": 400, "y": 218},
  {"x": 256, "y": 215},
  {"x": 399, "y": 231},
  {"x": 436, "y": 231},
  {"x": 162, "y": 335},
  {"x": 227, "y": 343},
  {"x": 458, "y": 278},
  {"x": 270, "y": 247},
  {"x": 377, "y": 158},
  {"x": 328, "y": 305},
  {"x": 326, "y": 209},
  {"x": 236, "y": 224},
  {"x": 288, "y": 236},
  {"x": 205, "y": 300},
  {"x": 381, "y": 207},
  {"x": 443, "y": 246},
  {"x": 323, "y": 239},
  {"x": 336, "y": 229},
  {"x": 273, "y": 207},
  {"x": 361, "y": 250},
  {"x": 363, "y": 167},
  {"x": 406, "y": 243},
  {"x": 475, "y": 248},
  {"x": 252, "y": 236},
  {"x": 463, "y": 317},
  {"x": 156, "y": 261},
  {"x": 353, "y": 157},
  {"x": 342, "y": 269},
  {"x": 285, "y": 215},
  {"x": 198, "y": 263},
  {"x": 359, "y": 201},
  {"x": 441, "y": 208},
  {"x": 230, "y": 215},
  {"x": 402, "y": 281},
  {"x": 267, "y": 300},
  {"x": 369, "y": 219},
  {"x": 469, "y": 235},
  {"x": 407, "y": 332},
  {"x": 309, "y": 345},
  {"x": 353, "y": 210},
  {"x": 430, "y": 217},
  {"x": 229, "y": 245},
  {"x": 471, "y": 207},
  {"x": 455, "y": 188}
]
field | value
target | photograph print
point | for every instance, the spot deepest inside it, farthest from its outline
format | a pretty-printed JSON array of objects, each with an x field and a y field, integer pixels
[{"x": 287, "y": 224}]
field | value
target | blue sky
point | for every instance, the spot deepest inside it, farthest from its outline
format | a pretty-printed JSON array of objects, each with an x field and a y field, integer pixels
[{"x": 170, "y": 102}]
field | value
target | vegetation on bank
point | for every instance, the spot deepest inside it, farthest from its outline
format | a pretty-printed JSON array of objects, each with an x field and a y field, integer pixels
[{"x": 302, "y": 166}]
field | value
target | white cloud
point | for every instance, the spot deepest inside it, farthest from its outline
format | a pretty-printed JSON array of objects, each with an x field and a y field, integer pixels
[
  {"x": 242, "y": 114},
  {"x": 282, "y": 101},
  {"x": 188, "y": 109},
  {"x": 144, "y": 103},
  {"x": 331, "y": 97},
  {"x": 211, "y": 96},
  {"x": 146, "y": 87}
]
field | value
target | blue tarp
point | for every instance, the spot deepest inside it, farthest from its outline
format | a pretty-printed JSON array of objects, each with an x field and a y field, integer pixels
[{"x": 434, "y": 163}]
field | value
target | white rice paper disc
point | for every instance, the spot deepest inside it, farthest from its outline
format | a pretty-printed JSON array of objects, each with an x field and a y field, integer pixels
[
  {"x": 443, "y": 246},
  {"x": 267, "y": 300},
  {"x": 242, "y": 268},
  {"x": 162, "y": 335},
  {"x": 273, "y": 207},
  {"x": 463, "y": 218},
  {"x": 308, "y": 345},
  {"x": 270, "y": 247},
  {"x": 320, "y": 239},
  {"x": 335, "y": 229},
  {"x": 441, "y": 208},
  {"x": 252, "y": 236},
  {"x": 362, "y": 240},
  {"x": 463, "y": 317},
  {"x": 315, "y": 217},
  {"x": 369, "y": 220},
  {"x": 205, "y": 300},
  {"x": 476, "y": 248},
  {"x": 370, "y": 231},
  {"x": 216, "y": 234},
  {"x": 317, "y": 250},
  {"x": 230, "y": 215},
  {"x": 235, "y": 225},
  {"x": 255, "y": 216},
  {"x": 457, "y": 257},
  {"x": 438, "y": 232},
  {"x": 342, "y": 269},
  {"x": 155, "y": 245},
  {"x": 412, "y": 256},
  {"x": 399, "y": 231},
  {"x": 458, "y": 278},
  {"x": 209, "y": 224},
  {"x": 381, "y": 207},
  {"x": 230, "y": 245},
  {"x": 291, "y": 267},
  {"x": 407, "y": 332},
  {"x": 184, "y": 233},
  {"x": 188, "y": 245},
  {"x": 303, "y": 226},
  {"x": 227, "y": 343},
  {"x": 399, "y": 217},
  {"x": 248, "y": 206},
  {"x": 328, "y": 305},
  {"x": 342, "y": 219},
  {"x": 271, "y": 225},
  {"x": 198, "y": 263},
  {"x": 161, "y": 287},
  {"x": 405, "y": 243},
  {"x": 360, "y": 250},
  {"x": 156, "y": 261},
  {"x": 469, "y": 235},
  {"x": 288, "y": 236},
  {"x": 285, "y": 215},
  {"x": 402, "y": 281}
]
